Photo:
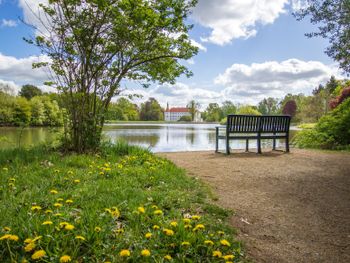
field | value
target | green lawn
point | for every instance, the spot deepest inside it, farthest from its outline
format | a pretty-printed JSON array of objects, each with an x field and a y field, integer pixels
[{"x": 122, "y": 205}]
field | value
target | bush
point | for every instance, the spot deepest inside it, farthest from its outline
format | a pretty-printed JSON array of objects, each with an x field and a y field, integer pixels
[
  {"x": 331, "y": 132},
  {"x": 185, "y": 118}
]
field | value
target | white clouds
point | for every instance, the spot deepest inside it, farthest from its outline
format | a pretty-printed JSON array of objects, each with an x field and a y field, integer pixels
[
  {"x": 9, "y": 86},
  {"x": 20, "y": 70},
  {"x": 232, "y": 19},
  {"x": 199, "y": 45},
  {"x": 8, "y": 23},
  {"x": 256, "y": 81},
  {"x": 33, "y": 14}
]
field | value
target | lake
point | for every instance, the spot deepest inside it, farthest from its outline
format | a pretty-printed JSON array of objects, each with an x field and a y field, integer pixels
[{"x": 162, "y": 137}]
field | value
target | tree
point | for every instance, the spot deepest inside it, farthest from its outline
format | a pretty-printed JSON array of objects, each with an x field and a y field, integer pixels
[
  {"x": 38, "y": 111},
  {"x": 29, "y": 91},
  {"x": 95, "y": 45},
  {"x": 290, "y": 108},
  {"x": 332, "y": 18},
  {"x": 151, "y": 111},
  {"x": 193, "y": 108},
  {"x": 22, "y": 111},
  {"x": 228, "y": 108},
  {"x": 213, "y": 113},
  {"x": 7, "y": 103},
  {"x": 268, "y": 106},
  {"x": 249, "y": 110}
]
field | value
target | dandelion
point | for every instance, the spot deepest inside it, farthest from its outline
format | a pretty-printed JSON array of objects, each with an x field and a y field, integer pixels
[
  {"x": 225, "y": 243},
  {"x": 141, "y": 210},
  {"x": 58, "y": 214},
  {"x": 30, "y": 247},
  {"x": 158, "y": 212},
  {"x": 185, "y": 243},
  {"x": 59, "y": 199},
  {"x": 115, "y": 212},
  {"x": 69, "y": 201},
  {"x": 65, "y": 259},
  {"x": 217, "y": 254},
  {"x": 70, "y": 172},
  {"x": 124, "y": 253},
  {"x": 102, "y": 173},
  {"x": 57, "y": 205},
  {"x": 173, "y": 224},
  {"x": 9, "y": 237},
  {"x": 188, "y": 226},
  {"x": 80, "y": 238},
  {"x": 11, "y": 185},
  {"x": 168, "y": 257},
  {"x": 198, "y": 227},
  {"x": 156, "y": 227},
  {"x": 57, "y": 171},
  {"x": 54, "y": 192},
  {"x": 39, "y": 254},
  {"x": 228, "y": 257},
  {"x": 168, "y": 232},
  {"x": 37, "y": 238},
  {"x": 48, "y": 211},
  {"x": 108, "y": 210},
  {"x": 195, "y": 217},
  {"x": 148, "y": 235},
  {"x": 63, "y": 224},
  {"x": 221, "y": 233},
  {"x": 120, "y": 166},
  {"x": 28, "y": 240},
  {"x": 7, "y": 229},
  {"x": 69, "y": 227},
  {"x": 47, "y": 223},
  {"x": 76, "y": 181},
  {"x": 98, "y": 229},
  {"x": 186, "y": 220},
  {"x": 24, "y": 261},
  {"x": 12, "y": 180},
  {"x": 154, "y": 207},
  {"x": 145, "y": 253},
  {"x": 208, "y": 242},
  {"x": 36, "y": 208}
]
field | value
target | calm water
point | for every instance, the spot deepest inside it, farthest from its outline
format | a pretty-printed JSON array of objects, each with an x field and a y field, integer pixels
[{"x": 158, "y": 137}]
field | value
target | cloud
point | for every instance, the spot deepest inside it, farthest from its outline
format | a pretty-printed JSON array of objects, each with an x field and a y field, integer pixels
[
  {"x": 253, "y": 82},
  {"x": 233, "y": 19},
  {"x": 8, "y": 23},
  {"x": 9, "y": 87},
  {"x": 199, "y": 45},
  {"x": 34, "y": 15},
  {"x": 20, "y": 70}
]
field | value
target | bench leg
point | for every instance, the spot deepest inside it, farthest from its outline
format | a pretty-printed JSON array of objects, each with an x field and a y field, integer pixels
[
  {"x": 217, "y": 141},
  {"x": 274, "y": 144},
  {"x": 227, "y": 145},
  {"x": 247, "y": 145},
  {"x": 259, "y": 145},
  {"x": 287, "y": 144}
]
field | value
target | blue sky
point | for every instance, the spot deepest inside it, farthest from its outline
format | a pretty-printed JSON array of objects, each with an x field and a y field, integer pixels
[{"x": 248, "y": 50}]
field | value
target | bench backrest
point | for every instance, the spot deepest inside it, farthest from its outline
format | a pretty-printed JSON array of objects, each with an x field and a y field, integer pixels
[{"x": 255, "y": 124}]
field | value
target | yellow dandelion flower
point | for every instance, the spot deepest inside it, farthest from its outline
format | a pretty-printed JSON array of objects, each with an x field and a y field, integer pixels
[
  {"x": 195, "y": 217},
  {"x": 59, "y": 199},
  {"x": 12, "y": 180},
  {"x": 58, "y": 214},
  {"x": 39, "y": 254},
  {"x": 80, "y": 238},
  {"x": 209, "y": 242},
  {"x": 57, "y": 205},
  {"x": 145, "y": 253},
  {"x": 108, "y": 210},
  {"x": 36, "y": 208},
  {"x": 65, "y": 259},
  {"x": 54, "y": 192},
  {"x": 188, "y": 226},
  {"x": 11, "y": 185},
  {"x": 124, "y": 253},
  {"x": 28, "y": 240},
  {"x": 120, "y": 166},
  {"x": 7, "y": 229},
  {"x": 102, "y": 173},
  {"x": 24, "y": 261},
  {"x": 186, "y": 220},
  {"x": 48, "y": 211},
  {"x": 98, "y": 229},
  {"x": 148, "y": 235},
  {"x": 57, "y": 171},
  {"x": 225, "y": 243},
  {"x": 63, "y": 224},
  {"x": 9, "y": 237},
  {"x": 185, "y": 243},
  {"x": 168, "y": 232},
  {"x": 115, "y": 212},
  {"x": 156, "y": 227},
  {"x": 168, "y": 257},
  {"x": 158, "y": 212},
  {"x": 70, "y": 172},
  {"x": 141, "y": 210},
  {"x": 173, "y": 224},
  {"x": 228, "y": 257},
  {"x": 154, "y": 207},
  {"x": 76, "y": 181},
  {"x": 29, "y": 247},
  {"x": 198, "y": 227},
  {"x": 217, "y": 254},
  {"x": 221, "y": 233},
  {"x": 47, "y": 223},
  {"x": 69, "y": 201},
  {"x": 37, "y": 238},
  {"x": 69, "y": 227}
]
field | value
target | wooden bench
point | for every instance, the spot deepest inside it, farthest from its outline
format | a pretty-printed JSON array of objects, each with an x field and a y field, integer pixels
[{"x": 252, "y": 127}]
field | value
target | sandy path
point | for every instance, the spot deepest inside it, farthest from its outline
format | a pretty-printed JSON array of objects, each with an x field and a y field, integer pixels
[{"x": 296, "y": 206}]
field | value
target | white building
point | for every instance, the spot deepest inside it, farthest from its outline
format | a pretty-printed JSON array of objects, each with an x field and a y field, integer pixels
[{"x": 174, "y": 114}]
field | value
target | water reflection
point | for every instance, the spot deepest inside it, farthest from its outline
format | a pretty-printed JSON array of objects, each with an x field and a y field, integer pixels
[{"x": 157, "y": 137}]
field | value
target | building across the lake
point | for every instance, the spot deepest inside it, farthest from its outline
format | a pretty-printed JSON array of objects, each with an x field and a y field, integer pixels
[{"x": 174, "y": 114}]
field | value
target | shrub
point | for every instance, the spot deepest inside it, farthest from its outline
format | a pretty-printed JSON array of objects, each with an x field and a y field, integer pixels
[
  {"x": 343, "y": 96},
  {"x": 186, "y": 118}
]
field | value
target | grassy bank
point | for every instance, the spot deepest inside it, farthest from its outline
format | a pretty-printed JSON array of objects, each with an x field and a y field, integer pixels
[{"x": 122, "y": 205}]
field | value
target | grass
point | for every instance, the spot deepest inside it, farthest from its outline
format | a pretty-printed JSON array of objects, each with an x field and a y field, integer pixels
[
  {"x": 306, "y": 125},
  {"x": 122, "y": 205}
]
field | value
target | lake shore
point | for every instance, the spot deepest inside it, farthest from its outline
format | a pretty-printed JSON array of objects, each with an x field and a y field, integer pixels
[{"x": 288, "y": 207}]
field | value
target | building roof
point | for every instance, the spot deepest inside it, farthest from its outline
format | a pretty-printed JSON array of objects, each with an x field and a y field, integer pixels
[{"x": 177, "y": 110}]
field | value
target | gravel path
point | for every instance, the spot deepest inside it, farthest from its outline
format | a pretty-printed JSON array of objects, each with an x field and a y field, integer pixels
[{"x": 288, "y": 207}]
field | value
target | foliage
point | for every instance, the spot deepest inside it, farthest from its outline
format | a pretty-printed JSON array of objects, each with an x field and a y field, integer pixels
[
  {"x": 7, "y": 103},
  {"x": 249, "y": 110},
  {"x": 332, "y": 130},
  {"x": 290, "y": 108},
  {"x": 186, "y": 118},
  {"x": 107, "y": 207},
  {"x": 268, "y": 106},
  {"x": 122, "y": 110},
  {"x": 345, "y": 93},
  {"x": 21, "y": 111},
  {"x": 29, "y": 91},
  {"x": 193, "y": 107},
  {"x": 228, "y": 108},
  {"x": 213, "y": 113},
  {"x": 95, "y": 45},
  {"x": 151, "y": 111},
  {"x": 307, "y": 125}
]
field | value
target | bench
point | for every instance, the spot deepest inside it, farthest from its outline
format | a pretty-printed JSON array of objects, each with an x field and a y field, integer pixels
[{"x": 253, "y": 127}]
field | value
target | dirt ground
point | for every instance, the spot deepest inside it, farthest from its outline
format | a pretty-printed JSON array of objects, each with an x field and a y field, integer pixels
[{"x": 288, "y": 207}]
